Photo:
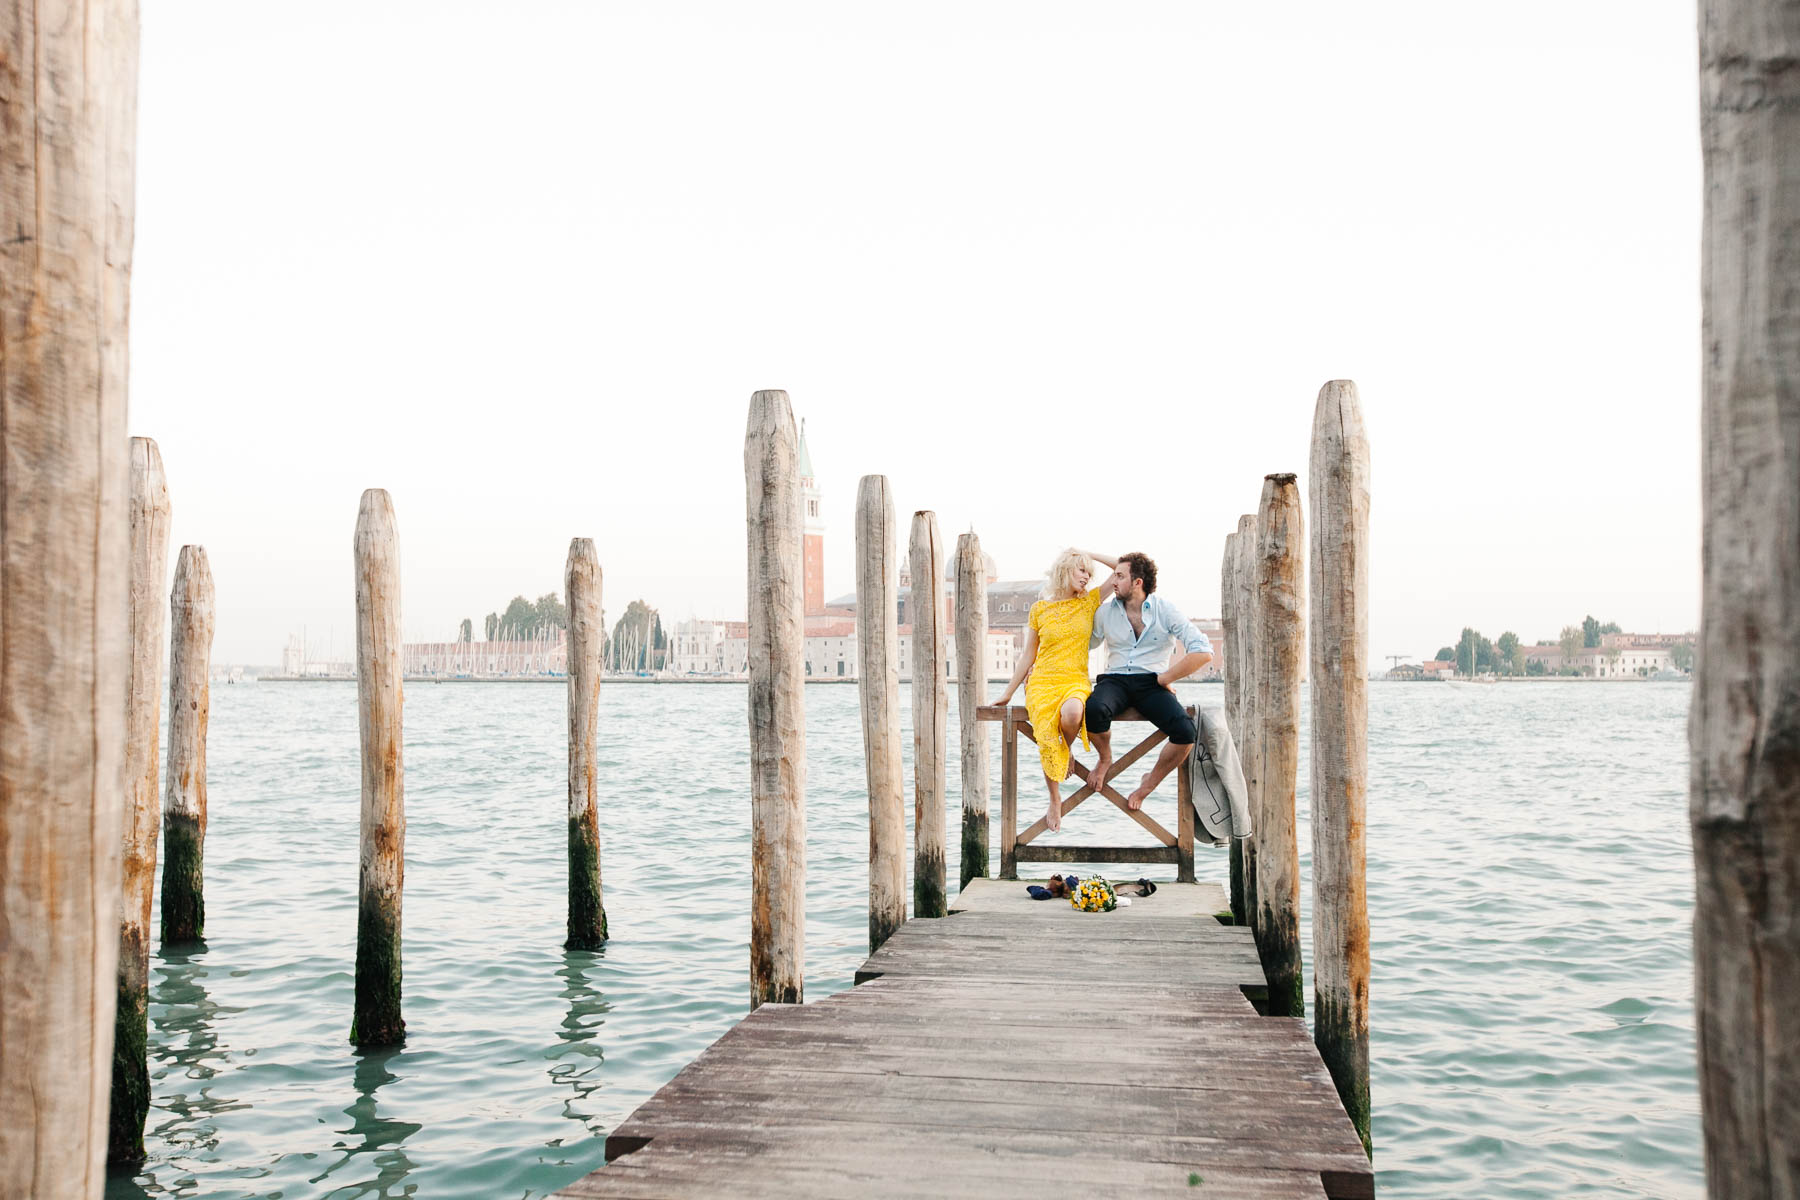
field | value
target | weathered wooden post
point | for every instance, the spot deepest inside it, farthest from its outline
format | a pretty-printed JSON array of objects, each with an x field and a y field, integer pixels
[
  {"x": 1338, "y": 588},
  {"x": 149, "y": 522},
  {"x": 184, "y": 791},
  {"x": 379, "y": 671},
  {"x": 1744, "y": 723},
  {"x": 971, "y": 694},
  {"x": 68, "y": 141},
  {"x": 1249, "y": 700},
  {"x": 1281, "y": 643},
  {"x": 65, "y": 263},
  {"x": 777, "y": 705},
  {"x": 878, "y": 687},
  {"x": 1234, "y": 717},
  {"x": 587, "y": 634},
  {"x": 929, "y": 701}
]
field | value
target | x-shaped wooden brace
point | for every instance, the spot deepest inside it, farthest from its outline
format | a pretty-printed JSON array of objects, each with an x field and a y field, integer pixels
[{"x": 1105, "y": 789}]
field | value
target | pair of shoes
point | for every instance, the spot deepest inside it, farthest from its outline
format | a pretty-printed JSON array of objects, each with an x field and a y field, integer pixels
[{"x": 1146, "y": 888}]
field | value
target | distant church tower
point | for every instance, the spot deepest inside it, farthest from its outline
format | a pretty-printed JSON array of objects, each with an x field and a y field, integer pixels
[{"x": 810, "y": 501}]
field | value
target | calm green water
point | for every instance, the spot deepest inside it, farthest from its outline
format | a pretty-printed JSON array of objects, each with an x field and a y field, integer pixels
[{"x": 1530, "y": 887}]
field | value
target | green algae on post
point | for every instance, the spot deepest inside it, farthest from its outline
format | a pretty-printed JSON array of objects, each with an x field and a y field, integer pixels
[
  {"x": 971, "y": 694},
  {"x": 925, "y": 609},
  {"x": 582, "y": 584},
  {"x": 878, "y": 702},
  {"x": 381, "y": 876},
  {"x": 149, "y": 523},
  {"x": 184, "y": 788},
  {"x": 776, "y": 703},
  {"x": 1338, "y": 486}
]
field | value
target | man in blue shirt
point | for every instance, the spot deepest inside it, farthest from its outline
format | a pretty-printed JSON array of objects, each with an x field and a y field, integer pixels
[{"x": 1140, "y": 631}]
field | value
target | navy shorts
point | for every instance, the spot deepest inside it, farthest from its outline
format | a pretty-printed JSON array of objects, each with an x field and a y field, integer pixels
[{"x": 1113, "y": 694}]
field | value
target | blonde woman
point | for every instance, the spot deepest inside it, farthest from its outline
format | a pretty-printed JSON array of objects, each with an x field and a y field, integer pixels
[{"x": 1056, "y": 658}]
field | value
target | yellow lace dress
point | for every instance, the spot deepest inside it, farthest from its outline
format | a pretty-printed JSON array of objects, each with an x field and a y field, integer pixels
[{"x": 1060, "y": 671}]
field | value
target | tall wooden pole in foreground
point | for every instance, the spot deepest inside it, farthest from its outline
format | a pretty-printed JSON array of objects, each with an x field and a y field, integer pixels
[
  {"x": 929, "y": 701},
  {"x": 67, "y": 137},
  {"x": 777, "y": 706},
  {"x": 184, "y": 792},
  {"x": 587, "y": 633},
  {"x": 1338, "y": 580},
  {"x": 971, "y": 694},
  {"x": 878, "y": 686},
  {"x": 1281, "y": 644},
  {"x": 149, "y": 520},
  {"x": 1249, "y": 710},
  {"x": 1744, "y": 725},
  {"x": 379, "y": 667}
]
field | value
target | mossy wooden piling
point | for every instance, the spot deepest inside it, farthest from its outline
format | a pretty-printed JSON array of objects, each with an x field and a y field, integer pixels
[
  {"x": 971, "y": 694},
  {"x": 777, "y": 707},
  {"x": 68, "y": 142},
  {"x": 381, "y": 876},
  {"x": 1280, "y": 646},
  {"x": 1338, "y": 672},
  {"x": 586, "y": 928},
  {"x": 878, "y": 690},
  {"x": 1240, "y": 662},
  {"x": 142, "y": 811},
  {"x": 1744, "y": 724},
  {"x": 930, "y": 700},
  {"x": 184, "y": 789}
]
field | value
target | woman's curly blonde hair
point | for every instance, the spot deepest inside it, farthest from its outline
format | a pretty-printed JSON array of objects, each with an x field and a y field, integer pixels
[{"x": 1059, "y": 581}]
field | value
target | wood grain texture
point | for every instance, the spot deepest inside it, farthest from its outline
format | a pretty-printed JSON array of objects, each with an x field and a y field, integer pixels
[
  {"x": 382, "y": 868},
  {"x": 930, "y": 705},
  {"x": 971, "y": 695},
  {"x": 960, "y": 1067},
  {"x": 777, "y": 707},
  {"x": 68, "y": 94},
  {"x": 1744, "y": 726},
  {"x": 1338, "y": 579},
  {"x": 192, "y": 617},
  {"x": 878, "y": 689},
  {"x": 1249, "y": 699},
  {"x": 1280, "y": 650},
  {"x": 585, "y": 928},
  {"x": 142, "y": 810}
]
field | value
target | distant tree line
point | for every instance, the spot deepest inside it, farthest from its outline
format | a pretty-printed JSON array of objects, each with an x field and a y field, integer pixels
[
  {"x": 638, "y": 642},
  {"x": 1474, "y": 654},
  {"x": 523, "y": 621}
]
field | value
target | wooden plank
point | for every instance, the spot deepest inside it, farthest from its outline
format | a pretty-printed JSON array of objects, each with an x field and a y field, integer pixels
[
  {"x": 1022, "y": 715},
  {"x": 1098, "y": 854}
]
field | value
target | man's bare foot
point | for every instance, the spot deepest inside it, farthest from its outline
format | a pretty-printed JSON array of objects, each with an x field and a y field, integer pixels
[
  {"x": 1097, "y": 776},
  {"x": 1135, "y": 801},
  {"x": 1053, "y": 816}
]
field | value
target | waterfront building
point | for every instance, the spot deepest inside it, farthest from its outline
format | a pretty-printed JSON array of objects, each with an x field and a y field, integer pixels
[
  {"x": 813, "y": 523},
  {"x": 488, "y": 660}
]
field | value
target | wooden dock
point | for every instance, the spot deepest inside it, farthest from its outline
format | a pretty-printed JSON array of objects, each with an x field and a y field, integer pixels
[{"x": 1011, "y": 1048}]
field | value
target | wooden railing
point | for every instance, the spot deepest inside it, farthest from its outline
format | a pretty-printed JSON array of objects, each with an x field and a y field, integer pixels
[{"x": 1016, "y": 845}]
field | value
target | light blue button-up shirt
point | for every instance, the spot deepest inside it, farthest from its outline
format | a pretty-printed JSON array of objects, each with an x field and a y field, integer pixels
[{"x": 1148, "y": 653}]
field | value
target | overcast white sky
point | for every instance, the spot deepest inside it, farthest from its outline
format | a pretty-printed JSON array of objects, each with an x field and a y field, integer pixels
[{"x": 1065, "y": 273}]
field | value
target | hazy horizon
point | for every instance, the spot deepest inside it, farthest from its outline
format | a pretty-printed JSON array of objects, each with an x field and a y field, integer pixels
[{"x": 1067, "y": 276}]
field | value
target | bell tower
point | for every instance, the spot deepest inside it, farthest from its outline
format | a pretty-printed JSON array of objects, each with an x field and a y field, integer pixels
[{"x": 813, "y": 522}]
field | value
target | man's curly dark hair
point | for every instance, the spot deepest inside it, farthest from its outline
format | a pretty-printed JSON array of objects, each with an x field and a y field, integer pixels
[{"x": 1142, "y": 567}]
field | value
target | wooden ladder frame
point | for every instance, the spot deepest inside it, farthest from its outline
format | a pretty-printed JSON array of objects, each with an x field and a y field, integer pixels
[{"x": 1016, "y": 844}]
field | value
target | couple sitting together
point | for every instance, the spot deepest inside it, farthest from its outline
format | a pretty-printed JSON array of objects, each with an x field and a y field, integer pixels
[{"x": 1140, "y": 631}]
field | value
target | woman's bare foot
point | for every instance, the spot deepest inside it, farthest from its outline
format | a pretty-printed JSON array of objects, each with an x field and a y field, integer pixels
[{"x": 1053, "y": 816}]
